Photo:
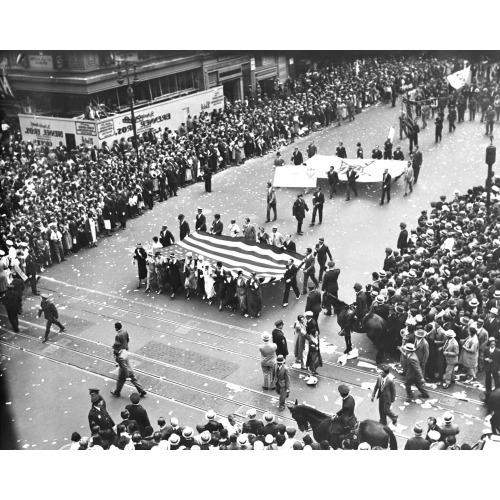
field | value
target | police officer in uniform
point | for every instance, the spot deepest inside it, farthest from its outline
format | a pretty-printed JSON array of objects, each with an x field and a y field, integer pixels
[{"x": 98, "y": 414}]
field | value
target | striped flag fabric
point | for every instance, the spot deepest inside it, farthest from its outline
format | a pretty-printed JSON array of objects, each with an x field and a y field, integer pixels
[
  {"x": 409, "y": 114},
  {"x": 237, "y": 254}
]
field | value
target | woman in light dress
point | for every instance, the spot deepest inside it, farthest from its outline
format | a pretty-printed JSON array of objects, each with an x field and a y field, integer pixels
[
  {"x": 190, "y": 283},
  {"x": 209, "y": 282},
  {"x": 299, "y": 329}
]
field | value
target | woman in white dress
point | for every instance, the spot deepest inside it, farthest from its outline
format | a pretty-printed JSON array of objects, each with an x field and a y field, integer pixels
[
  {"x": 190, "y": 275},
  {"x": 209, "y": 282}
]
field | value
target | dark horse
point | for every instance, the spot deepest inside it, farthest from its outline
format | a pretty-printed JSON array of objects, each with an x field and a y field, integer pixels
[
  {"x": 373, "y": 325},
  {"x": 331, "y": 429}
]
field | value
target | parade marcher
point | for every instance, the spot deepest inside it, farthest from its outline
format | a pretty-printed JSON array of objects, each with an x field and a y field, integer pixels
[
  {"x": 385, "y": 391},
  {"x": 318, "y": 201},
  {"x": 333, "y": 180},
  {"x": 313, "y": 302},
  {"x": 402, "y": 243},
  {"x": 279, "y": 161},
  {"x": 288, "y": 244},
  {"x": 275, "y": 238},
  {"x": 234, "y": 229},
  {"x": 492, "y": 366},
  {"x": 352, "y": 175},
  {"x": 346, "y": 413},
  {"x": 122, "y": 337},
  {"x": 417, "y": 161},
  {"x": 254, "y": 296},
  {"x": 217, "y": 226},
  {"x": 140, "y": 256},
  {"x": 166, "y": 237},
  {"x": 151, "y": 271},
  {"x": 377, "y": 154},
  {"x": 297, "y": 158},
  {"x": 290, "y": 278},
  {"x": 330, "y": 286},
  {"x": 398, "y": 154},
  {"x": 386, "y": 186},
  {"x": 299, "y": 211},
  {"x": 124, "y": 371},
  {"x": 322, "y": 251},
  {"x": 201, "y": 221},
  {"x": 249, "y": 230},
  {"x": 282, "y": 379},
  {"x": 450, "y": 352},
  {"x": 438, "y": 132},
  {"x": 408, "y": 177},
  {"x": 174, "y": 269},
  {"x": 388, "y": 149},
  {"x": 279, "y": 339},
  {"x": 309, "y": 270},
  {"x": 50, "y": 313},
  {"x": 340, "y": 151},
  {"x": 268, "y": 360},
  {"x": 359, "y": 151},
  {"x": 271, "y": 202},
  {"x": 190, "y": 283},
  {"x": 183, "y": 227}
]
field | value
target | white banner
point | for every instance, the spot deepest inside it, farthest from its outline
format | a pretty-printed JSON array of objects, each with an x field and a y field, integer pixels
[
  {"x": 295, "y": 176},
  {"x": 460, "y": 78},
  {"x": 391, "y": 133}
]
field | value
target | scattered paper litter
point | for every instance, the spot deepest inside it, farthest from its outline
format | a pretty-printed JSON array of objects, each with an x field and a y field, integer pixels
[
  {"x": 368, "y": 385},
  {"x": 426, "y": 405},
  {"x": 364, "y": 364},
  {"x": 353, "y": 354},
  {"x": 460, "y": 395},
  {"x": 402, "y": 408},
  {"x": 342, "y": 359},
  {"x": 234, "y": 387}
]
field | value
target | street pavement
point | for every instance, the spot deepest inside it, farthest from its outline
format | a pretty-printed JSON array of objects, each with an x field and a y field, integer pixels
[{"x": 189, "y": 356}]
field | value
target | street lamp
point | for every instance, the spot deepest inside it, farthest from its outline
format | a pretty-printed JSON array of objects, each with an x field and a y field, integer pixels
[
  {"x": 491, "y": 153},
  {"x": 130, "y": 92}
]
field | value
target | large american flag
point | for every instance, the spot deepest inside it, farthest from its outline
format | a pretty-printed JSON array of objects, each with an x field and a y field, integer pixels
[{"x": 237, "y": 253}]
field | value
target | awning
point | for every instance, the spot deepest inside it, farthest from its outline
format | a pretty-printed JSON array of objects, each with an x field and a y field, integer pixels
[{"x": 237, "y": 253}]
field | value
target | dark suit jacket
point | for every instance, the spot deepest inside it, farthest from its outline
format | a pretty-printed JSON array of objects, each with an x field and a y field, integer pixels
[
  {"x": 318, "y": 198},
  {"x": 352, "y": 176},
  {"x": 403, "y": 239},
  {"x": 389, "y": 262},
  {"x": 341, "y": 152},
  {"x": 201, "y": 222},
  {"x": 313, "y": 302},
  {"x": 217, "y": 227},
  {"x": 290, "y": 246},
  {"x": 417, "y": 443},
  {"x": 321, "y": 254},
  {"x": 297, "y": 158},
  {"x": 386, "y": 181},
  {"x": 330, "y": 281},
  {"x": 101, "y": 418},
  {"x": 140, "y": 415},
  {"x": 388, "y": 393},
  {"x": 291, "y": 274},
  {"x": 184, "y": 229},
  {"x": 280, "y": 341},
  {"x": 166, "y": 238},
  {"x": 494, "y": 365}
]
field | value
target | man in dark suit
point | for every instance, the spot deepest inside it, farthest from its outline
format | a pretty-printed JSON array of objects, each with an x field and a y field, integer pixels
[
  {"x": 340, "y": 151},
  {"x": 413, "y": 372},
  {"x": 402, "y": 238},
  {"x": 299, "y": 211},
  {"x": 333, "y": 180},
  {"x": 390, "y": 260},
  {"x": 297, "y": 158},
  {"x": 254, "y": 426},
  {"x": 288, "y": 244},
  {"x": 290, "y": 282},
  {"x": 492, "y": 365},
  {"x": 309, "y": 269},
  {"x": 322, "y": 251},
  {"x": 270, "y": 426},
  {"x": 351, "y": 183},
  {"x": 346, "y": 413},
  {"x": 166, "y": 237},
  {"x": 386, "y": 186},
  {"x": 313, "y": 302},
  {"x": 217, "y": 226},
  {"x": 201, "y": 221},
  {"x": 385, "y": 391},
  {"x": 279, "y": 339},
  {"x": 416, "y": 163},
  {"x": 376, "y": 153},
  {"x": 388, "y": 149},
  {"x": 183, "y": 227},
  {"x": 330, "y": 286},
  {"x": 417, "y": 442},
  {"x": 138, "y": 413},
  {"x": 125, "y": 415},
  {"x": 318, "y": 201},
  {"x": 398, "y": 154}
]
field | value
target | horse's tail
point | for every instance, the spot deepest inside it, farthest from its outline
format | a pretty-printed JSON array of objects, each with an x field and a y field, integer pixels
[{"x": 393, "y": 443}]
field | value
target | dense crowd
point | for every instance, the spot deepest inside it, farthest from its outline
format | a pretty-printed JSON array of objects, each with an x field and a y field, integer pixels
[
  {"x": 59, "y": 201},
  {"x": 135, "y": 432}
]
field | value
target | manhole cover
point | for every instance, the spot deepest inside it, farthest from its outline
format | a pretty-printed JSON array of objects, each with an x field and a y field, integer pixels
[{"x": 446, "y": 400}]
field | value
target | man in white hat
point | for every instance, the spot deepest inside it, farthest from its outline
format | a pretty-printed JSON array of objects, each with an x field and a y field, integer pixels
[
  {"x": 448, "y": 428},
  {"x": 413, "y": 372},
  {"x": 268, "y": 360},
  {"x": 450, "y": 352},
  {"x": 282, "y": 378},
  {"x": 270, "y": 425},
  {"x": 421, "y": 349},
  {"x": 253, "y": 425},
  {"x": 212, "y": 425}
]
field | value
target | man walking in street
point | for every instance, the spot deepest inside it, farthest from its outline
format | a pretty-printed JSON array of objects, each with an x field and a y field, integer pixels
[
  {"x": 318, "y": 201},
  {"x": 417, "y": 163},
  {"x": 299, "y": 211},
  {"x": 282, "y": 378},
  {"x": 490, "y": 120},
  {"x": 201, "y": 221},
  {"x": 290, "y": 282},
  {"x": 333, "y": 180},
  {"x": 183, "y": 227},
  {"x": 438, "y": 122},
  {"x": 385, "y": 391},
  {"x": 124, "y": 371},
  {"x": 322, "y": 251},
  {"x": 408, "y": 177},
  {"x": 413, "y": 372},
  {"x": 492, "y": 366},
  {"x": 386, "y": 186},
  {"x": 50, "y": 313},
  {"x": 402, "y": 238},
  {"x": 309, "y": 270},
  {"x": 352, "y": 175},
  {"x": 340, "y": 151},
  {"x": 297, "y": 158},
  {"x": 271, "y": 202},
  {"x": 330, "y": 286},
  {"x": 450, "y": 352}
]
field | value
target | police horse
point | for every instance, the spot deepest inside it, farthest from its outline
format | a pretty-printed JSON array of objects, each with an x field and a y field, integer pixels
[
  {"x": 374, "y": 326},
  {"x": 331, "y": 429}
]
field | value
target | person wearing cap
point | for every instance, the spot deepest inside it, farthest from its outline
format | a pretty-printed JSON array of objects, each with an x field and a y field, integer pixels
[
  {"x": 390, "y": 260},
  {"x": 361, "y": 306},
  {"x": 402, "y": 243},
  {"x": 138, "y": 413},
  {"x": 318, "y": 200},
  {"x": 346, "y": 413},
  {"x": 385, "y": 392},
  {"x": 351, "y": 175},
  {"x": 268, "y": 360},
  {"x": 282, "y": 378},
  {"x": 200, "y": 221},
  {"x": 50, "y": 313},
  {"x": 183, "y": 226},
  {"x": 413, "y": 372},
  {"x": 31, "y": 268},
  {"x": 98, "y": 415},
  {"x": 451, "y": 351},
  {"x": 275, "y": 238},
  {"x": 124, "y": 370},
  {"x": 313, "y": 302},
  {"x": 217, "y": 226},
  {"x": 279, "y": 161},
  {"x": 449, "y": 428},
  {"x": 309, "y": 270},
  {"x": 271, "y": 427},
  {"x": 140, "y": 256},
  {"x": 271, "y": 202},
  {"x": 279, "y": 339},
  {"x": 492, "y": 366},
  {"x": 299, "y": 210},
  {"x": 13, "y": 303},
  {"x": 322, "y": 252},
  {"x": 417, "y": 442},
  {"x": 333, "y": 180}
]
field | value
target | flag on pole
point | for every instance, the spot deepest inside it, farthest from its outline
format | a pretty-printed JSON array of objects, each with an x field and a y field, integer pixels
[
  {"x": 238, "y": 254},
  {"x": 460, "y": 78}
]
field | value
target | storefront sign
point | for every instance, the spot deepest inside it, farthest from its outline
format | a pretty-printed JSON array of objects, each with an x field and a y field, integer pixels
[
  {"x": 40, "y": 62},
  {"x": 85, "y": 128},
  {"x": 106, "y": 129}
]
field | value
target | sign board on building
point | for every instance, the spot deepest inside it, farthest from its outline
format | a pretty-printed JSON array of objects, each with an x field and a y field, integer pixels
[
  {"x": 50, "y": 131},
  {"x": 126, "y": 56},
  {"x": 40, "y": 62}
]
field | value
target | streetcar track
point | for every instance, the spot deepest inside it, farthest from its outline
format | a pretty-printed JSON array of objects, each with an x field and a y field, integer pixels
[{"x": 238, "y": 340}]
